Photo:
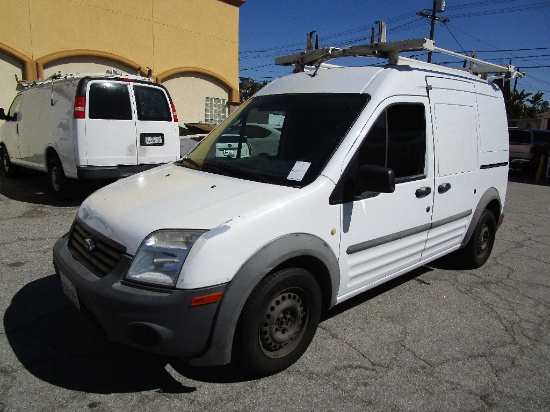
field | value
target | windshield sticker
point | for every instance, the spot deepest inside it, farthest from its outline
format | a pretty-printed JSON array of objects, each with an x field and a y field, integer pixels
[{"x": 298, "y": 171}]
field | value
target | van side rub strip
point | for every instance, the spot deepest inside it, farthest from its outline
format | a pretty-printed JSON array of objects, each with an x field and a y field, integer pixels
[{"x": 405, "y": 233}]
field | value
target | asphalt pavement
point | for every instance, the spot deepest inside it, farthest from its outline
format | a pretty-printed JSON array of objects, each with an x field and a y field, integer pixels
[{"x": 438, "y": 339}]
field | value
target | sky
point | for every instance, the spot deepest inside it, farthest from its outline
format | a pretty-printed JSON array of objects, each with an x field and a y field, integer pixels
[{"x": 498, "y": 30}]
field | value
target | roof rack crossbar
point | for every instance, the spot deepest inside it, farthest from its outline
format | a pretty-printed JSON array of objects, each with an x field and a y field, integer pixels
[{"x": 390, "y": 51}]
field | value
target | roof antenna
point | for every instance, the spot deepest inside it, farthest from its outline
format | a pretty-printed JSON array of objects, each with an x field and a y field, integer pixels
[
  {"x": 309, "y": 45},
  {"x": 381, "y": 31}
]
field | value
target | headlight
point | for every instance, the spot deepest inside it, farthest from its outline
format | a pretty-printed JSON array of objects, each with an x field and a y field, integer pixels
[{"x": 161, "y": 255}]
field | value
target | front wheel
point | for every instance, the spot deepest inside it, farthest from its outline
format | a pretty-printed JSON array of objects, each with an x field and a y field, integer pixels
[{"x": 278, "y": 322}]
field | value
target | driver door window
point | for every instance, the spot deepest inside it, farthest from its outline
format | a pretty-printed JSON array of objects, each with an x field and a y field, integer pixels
[{"x": 397, "y": 140}]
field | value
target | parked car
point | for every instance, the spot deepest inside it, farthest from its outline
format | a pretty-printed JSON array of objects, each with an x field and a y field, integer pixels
[
  {"x": 98, "y": 126},
  {"x": 233, "y": 256},
  {"x": 526, "y": 146}
]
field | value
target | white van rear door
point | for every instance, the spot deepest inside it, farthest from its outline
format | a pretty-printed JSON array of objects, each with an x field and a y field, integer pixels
[
  {"x": 157, "y": 133},
  {"x": 110, "y": 127}
]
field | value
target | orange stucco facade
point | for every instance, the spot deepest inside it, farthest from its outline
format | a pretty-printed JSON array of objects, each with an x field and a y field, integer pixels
[{"x": 174, "y": 38}]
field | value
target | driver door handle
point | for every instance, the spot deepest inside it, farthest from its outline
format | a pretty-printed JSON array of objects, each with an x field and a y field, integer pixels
[{"x": 423, "y": 192}]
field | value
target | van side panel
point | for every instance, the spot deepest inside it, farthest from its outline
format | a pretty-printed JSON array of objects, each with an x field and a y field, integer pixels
[
  {"x": 32, "y": 133},
  {"x": 46, "y": 126},
  {"x": 494, "y": 146}
]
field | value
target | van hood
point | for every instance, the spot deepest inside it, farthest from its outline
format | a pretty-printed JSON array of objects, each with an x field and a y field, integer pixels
[{"x": 172, "y": 197}]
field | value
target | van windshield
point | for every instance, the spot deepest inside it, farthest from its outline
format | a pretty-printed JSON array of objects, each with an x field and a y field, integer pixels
[{"x": 280, "y": 139}]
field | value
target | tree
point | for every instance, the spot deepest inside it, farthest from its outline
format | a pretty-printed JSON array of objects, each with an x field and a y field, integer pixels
[
  {"x": 248, "y": 87},
  {"x": 538, "y": 105},
  {"x": 521, "y": 107}
]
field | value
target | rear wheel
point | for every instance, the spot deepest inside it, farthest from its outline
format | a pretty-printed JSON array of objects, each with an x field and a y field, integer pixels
[
  {"x": 479, "y": 248},
  {"x": 278, "y": 322},
  {"x": 7, "y": 168},
  {"x": 58, "y": 181}
]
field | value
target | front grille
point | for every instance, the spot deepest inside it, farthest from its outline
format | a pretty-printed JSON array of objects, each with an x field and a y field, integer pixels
[{"x": 96, "y": 252}]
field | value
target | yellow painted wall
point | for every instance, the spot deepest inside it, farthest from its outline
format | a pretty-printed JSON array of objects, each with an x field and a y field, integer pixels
[{"x": 161, "y": 34}]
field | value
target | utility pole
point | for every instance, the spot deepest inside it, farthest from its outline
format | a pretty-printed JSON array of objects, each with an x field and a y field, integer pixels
[{"x": 438, "y": 6}]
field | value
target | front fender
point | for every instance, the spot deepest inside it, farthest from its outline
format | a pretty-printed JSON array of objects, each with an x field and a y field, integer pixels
[{"x": 247, "y": 278}]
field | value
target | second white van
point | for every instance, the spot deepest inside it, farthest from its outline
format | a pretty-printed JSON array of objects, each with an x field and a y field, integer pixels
[{"x": 97, "y": 126}]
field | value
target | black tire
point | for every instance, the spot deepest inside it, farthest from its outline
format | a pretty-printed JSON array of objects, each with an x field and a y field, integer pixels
[
  {"x": 278, "y": 322},
  {"x": 479, "y": 248},
  {"x": 7, "y": 168},
  {"x": 57, "y": 179}
]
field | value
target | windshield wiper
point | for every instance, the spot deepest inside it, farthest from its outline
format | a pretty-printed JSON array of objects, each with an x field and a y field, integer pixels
[
  {"x": 191, "y": 161},
  {"x": 236, "y": 171}
]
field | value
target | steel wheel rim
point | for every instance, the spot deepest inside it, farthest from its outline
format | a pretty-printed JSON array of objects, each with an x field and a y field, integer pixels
[
  {"x": 283, "y": 323},
  {"x": 483, "y": 240}
]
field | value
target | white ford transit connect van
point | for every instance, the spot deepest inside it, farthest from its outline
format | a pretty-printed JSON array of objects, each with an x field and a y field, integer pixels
[
  {"x": 366, "y": 173},
  {"x": 89, "y": 127}
]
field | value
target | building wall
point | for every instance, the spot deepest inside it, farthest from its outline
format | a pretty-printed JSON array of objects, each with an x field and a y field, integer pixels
[{"x": 177, "y": 39}]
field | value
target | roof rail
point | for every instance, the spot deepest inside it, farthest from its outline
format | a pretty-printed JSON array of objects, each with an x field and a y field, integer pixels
[
  {"x": 390, "y": 51},
  {"x": 109, "y": 74}
]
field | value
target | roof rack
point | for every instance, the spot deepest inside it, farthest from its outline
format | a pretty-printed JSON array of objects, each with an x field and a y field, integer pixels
[
  {"x": 109, "y": 74},
  {"x": 390, "y": 51}
]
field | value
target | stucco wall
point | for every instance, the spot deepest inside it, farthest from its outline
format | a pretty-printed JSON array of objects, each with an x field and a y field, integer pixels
[{"x": 167, "y": 36}]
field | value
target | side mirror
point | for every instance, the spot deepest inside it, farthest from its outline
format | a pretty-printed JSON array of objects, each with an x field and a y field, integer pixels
[
  {"x": 375, "y": 179},
  {"x": 2, "y": 114}
]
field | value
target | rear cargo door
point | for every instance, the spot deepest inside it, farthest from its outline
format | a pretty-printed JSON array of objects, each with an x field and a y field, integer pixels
[
  {"x": 110, "y": 126},
  {"x": 157, "y": 133}
]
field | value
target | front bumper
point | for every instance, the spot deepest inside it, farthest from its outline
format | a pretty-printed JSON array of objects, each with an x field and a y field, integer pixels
[{"x": 153, "y": 319}]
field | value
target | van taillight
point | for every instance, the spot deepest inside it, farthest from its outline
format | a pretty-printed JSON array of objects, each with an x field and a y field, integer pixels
[
  {"x": 79, "y": 107},
  {"x": 174, "y": 113}
]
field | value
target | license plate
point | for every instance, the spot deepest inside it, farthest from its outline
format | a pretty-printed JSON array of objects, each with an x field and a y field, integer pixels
[
  {"x": 70, "y": 290},
  {"x": 230, "y": 153},
  {"x": 151, "y": 140}
]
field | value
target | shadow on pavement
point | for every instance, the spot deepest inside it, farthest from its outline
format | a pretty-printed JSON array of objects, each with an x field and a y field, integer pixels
[
  {"x": 370, "y": 294},
  {"x": 526, "y": 177},
  {"x": 56, "y": 344},
  {"x": 33, "y": 187}
]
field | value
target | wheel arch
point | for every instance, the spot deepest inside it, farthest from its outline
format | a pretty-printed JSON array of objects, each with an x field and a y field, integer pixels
[
  {"x": 50, "y": 153},
  {"x": 491, "y": 201},
  {"x": 294, "y": 250}
]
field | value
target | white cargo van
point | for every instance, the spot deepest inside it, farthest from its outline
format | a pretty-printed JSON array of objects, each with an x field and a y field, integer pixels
[
  {"x": 367, "y": 173},
  {"x": 89, "y": 127}
]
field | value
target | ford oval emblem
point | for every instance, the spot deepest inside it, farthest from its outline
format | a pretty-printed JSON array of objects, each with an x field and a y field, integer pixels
[{"x": 90, "y": 244}]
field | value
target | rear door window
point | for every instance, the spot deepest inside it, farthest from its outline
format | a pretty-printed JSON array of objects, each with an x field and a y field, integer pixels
[
  {"x": 110, "y": 101},
  {"x": 152, "y": 104}
]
